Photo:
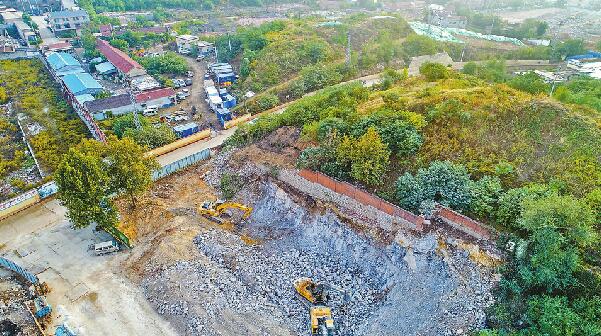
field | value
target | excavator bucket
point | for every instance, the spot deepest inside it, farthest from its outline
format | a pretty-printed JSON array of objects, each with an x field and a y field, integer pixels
[{"x": 303, "y": 288}]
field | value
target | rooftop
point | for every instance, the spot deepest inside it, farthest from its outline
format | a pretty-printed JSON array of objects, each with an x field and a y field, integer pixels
[
  {"x": 154, "y": 94},
  {"x": 109, "y": 103},
  {"x": 105, "y": 67},
  {"x": 79, "y": 82},
  {"x": 117, "y": 57},
  {"x": 59, "y": 60},
  {"x": 67, "y": 14}
]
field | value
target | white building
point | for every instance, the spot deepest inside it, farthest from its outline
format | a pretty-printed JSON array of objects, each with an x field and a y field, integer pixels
[{"x": 185, "y": 43}]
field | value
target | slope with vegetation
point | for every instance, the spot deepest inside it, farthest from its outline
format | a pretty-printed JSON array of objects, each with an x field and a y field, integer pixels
[{"x": 524, "y": 163}]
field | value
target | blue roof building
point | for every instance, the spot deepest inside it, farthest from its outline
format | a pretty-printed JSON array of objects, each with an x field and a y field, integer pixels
[
  {"x": 63, "y": 64},
  {"x": 82, "y": 83},
  {"x": 105, "y": 68}
]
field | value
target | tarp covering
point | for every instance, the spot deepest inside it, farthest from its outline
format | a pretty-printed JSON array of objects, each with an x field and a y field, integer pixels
[{"x": 449, "y": 34}]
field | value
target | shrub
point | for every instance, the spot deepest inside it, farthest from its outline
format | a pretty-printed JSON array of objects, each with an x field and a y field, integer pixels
[{"x": 434, "y": 71}]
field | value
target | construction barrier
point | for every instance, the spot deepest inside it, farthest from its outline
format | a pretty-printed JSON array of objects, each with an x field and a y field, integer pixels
[
  {"x": 181, "y": 164},
  {"x": 179, "y": 143},
  {"x": 238, "y": 121},
  {"x": 19, "y": 270},
  {"x": 27, "y": 199},
  {"x": 363, "y": 197}
]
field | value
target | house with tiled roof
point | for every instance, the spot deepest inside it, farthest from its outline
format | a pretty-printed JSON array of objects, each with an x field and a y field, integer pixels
[
  {"x": 159, "y": 98},
  {"x": 125, "y": 65}
]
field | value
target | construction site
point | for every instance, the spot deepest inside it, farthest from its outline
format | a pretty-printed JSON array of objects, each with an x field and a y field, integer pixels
[
  {"x": 210, "y": 269},
  {"x": 280, "y": 257}
]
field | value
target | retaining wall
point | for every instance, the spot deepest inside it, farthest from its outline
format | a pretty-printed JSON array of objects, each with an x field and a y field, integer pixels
[
  {"x": 462, "y": 223},
  {"x": 365, "y": 198}
]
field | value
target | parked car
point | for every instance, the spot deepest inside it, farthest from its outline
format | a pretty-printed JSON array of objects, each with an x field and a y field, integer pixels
[
  {"x": 207, "y": 76},
  {"x": 188, "y": 81},
  {"x": 190, "y": 74}
]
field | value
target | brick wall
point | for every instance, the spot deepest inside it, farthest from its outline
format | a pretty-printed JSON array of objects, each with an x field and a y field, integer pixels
[
  {"x": 362, "y": 197},
  {"x": 462, "y": 223}
]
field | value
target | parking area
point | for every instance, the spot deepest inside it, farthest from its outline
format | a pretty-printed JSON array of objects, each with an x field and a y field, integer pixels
[{"x": 193, "y": 108}]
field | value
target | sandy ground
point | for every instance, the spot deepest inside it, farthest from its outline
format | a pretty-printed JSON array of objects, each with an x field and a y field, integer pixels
[{"x": 89, "y": 292}]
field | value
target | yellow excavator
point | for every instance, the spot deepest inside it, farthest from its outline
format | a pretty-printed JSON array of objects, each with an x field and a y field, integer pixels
[
  {"x": 213, "y": 210},
  {"x": 317, "y": 296}
]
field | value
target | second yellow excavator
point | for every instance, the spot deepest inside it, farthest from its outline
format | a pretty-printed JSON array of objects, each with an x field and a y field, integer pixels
[
  {"x": 215, "y": 209},
  {"x": 317, "y": 295}
]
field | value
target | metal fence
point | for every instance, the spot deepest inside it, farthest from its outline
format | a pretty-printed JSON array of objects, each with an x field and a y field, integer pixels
[
  {"x": 181, "y": 164},
  {"x": 18, "y": 269}
]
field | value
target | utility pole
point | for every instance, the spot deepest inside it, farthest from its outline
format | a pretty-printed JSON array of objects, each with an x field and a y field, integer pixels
[{"x": 348, "y": 49}]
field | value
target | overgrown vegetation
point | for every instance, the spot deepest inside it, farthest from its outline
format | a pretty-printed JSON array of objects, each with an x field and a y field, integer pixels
[
  {"x": 524, "y": 163},
  {"x": 33, "y": 93},
  {"x": 148, "y": 135}
]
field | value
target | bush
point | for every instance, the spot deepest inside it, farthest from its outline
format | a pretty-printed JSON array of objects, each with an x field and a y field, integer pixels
[
  {"x": 230, "y": 184},
  {"x": 434, "y": 71}
]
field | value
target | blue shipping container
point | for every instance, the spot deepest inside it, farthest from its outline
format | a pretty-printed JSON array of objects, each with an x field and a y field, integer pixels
[
  {"x": 229, "y": 101},
  {"x": 185, "y": 130},
  {"x": 224, "y": 115}
]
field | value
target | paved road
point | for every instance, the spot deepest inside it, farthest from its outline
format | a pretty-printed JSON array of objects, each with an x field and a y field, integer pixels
[{"x": 45, "y": 33}]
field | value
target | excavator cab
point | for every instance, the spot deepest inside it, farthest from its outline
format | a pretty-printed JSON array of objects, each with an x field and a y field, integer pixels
[
  {"x": 317, "y": 296},
  {"x": 215, "y": 209},
  {"x": 322, "y": 323}
]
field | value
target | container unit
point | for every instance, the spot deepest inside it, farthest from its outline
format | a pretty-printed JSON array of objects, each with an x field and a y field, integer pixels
[
  {"x": 185, "y": 130},
  {"x": 229, "y": 101},
  {"x": 215, "y": 103},
  {"x": 225, "y": 79},
  {"x": 223, "y": 115}
]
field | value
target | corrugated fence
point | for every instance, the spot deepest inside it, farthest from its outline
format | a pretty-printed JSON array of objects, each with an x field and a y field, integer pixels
[
  {"x": 181, "y": 164},
  {"x": 362, "y": 197}
]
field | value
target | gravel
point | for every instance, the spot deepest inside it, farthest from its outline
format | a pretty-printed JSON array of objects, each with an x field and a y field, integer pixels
[{"x": 239, "y": 287}]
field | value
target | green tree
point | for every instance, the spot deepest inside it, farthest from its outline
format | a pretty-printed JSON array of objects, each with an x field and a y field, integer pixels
[
  {"x": 417, "y": 45},
  {"x": 84, "y": 185},
  {"x": 529, "y": 82},
  {"x": 151, "y": 136},
  {"x": 119, "y": 44},
  {"x": 129, "y": 169},
  {"x": 434, "y": 71},
  {"x": 3, "y": 96},
  {"x": 368, "y": 157}
]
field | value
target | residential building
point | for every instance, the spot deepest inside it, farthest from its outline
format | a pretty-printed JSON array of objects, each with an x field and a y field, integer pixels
[
  {"x": 115, "y": 105},
  {"x": 8, "y": 44},
  {"x": 25, "y": 32},
  {"x": 159, "y": 98},
  {"x": 205, "y": 48},
  {"x": 34, "y": 7},
  {"x": 63, "y": 64},
  {"x": 106, "y": 30},
  {"x": 59, "y": 46},
  {"x": 105, "y": 69},
  {"x": 185, "y": 43},
  {"x": 62, "y": 21},
  {"x": 82, "y": 83},
  {"x": 10, "y": 15},
  {"x": 126, "y": 67}
]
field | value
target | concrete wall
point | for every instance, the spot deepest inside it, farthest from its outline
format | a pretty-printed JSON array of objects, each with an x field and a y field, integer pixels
[{"x": 462, "y": 223}]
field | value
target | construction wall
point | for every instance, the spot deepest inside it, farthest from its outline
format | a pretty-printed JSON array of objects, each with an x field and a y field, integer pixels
[{"x": 363, "y": 197}]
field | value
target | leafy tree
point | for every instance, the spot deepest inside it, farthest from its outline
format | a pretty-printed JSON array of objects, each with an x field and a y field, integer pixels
[
  {"x": 529, "y": 82},
  {"x": 368, "y": 157},
  {"x": 119, "y": 44},
  {"x": 485, "y": 195},
  {"x": 434, "y": 71},
  {"x": 511, "y": 203},
  {"x": 129, "y": 169},
  {"x": 84, "y": 186},
  {"x": 443, "y": 182},
  {"x": 168, "y": 63},
  {"x": 417, "y": 45},
  {"x": 572, "y": 217},
  {"x": 552, "y": 316},
  {"x": 151, "y": 136},
  {"x": 3, "y": 96}
]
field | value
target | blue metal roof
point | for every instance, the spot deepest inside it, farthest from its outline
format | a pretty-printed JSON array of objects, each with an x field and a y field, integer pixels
[
  {"x": 589, "y": 55},
  {"x": 81, "y": 82},
  {"x": 86, "y": 97},
  {"x": 105, "y": 67},
  {"x": 60, "y": 60}
]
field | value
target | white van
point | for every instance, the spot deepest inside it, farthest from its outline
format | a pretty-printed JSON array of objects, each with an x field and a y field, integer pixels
[{"x": 106, "y": 247}]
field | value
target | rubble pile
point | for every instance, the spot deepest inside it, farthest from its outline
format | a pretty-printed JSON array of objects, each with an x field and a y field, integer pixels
[
  {"x": 15, "y": 319},
  {"x": 242, "y": 282}
]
